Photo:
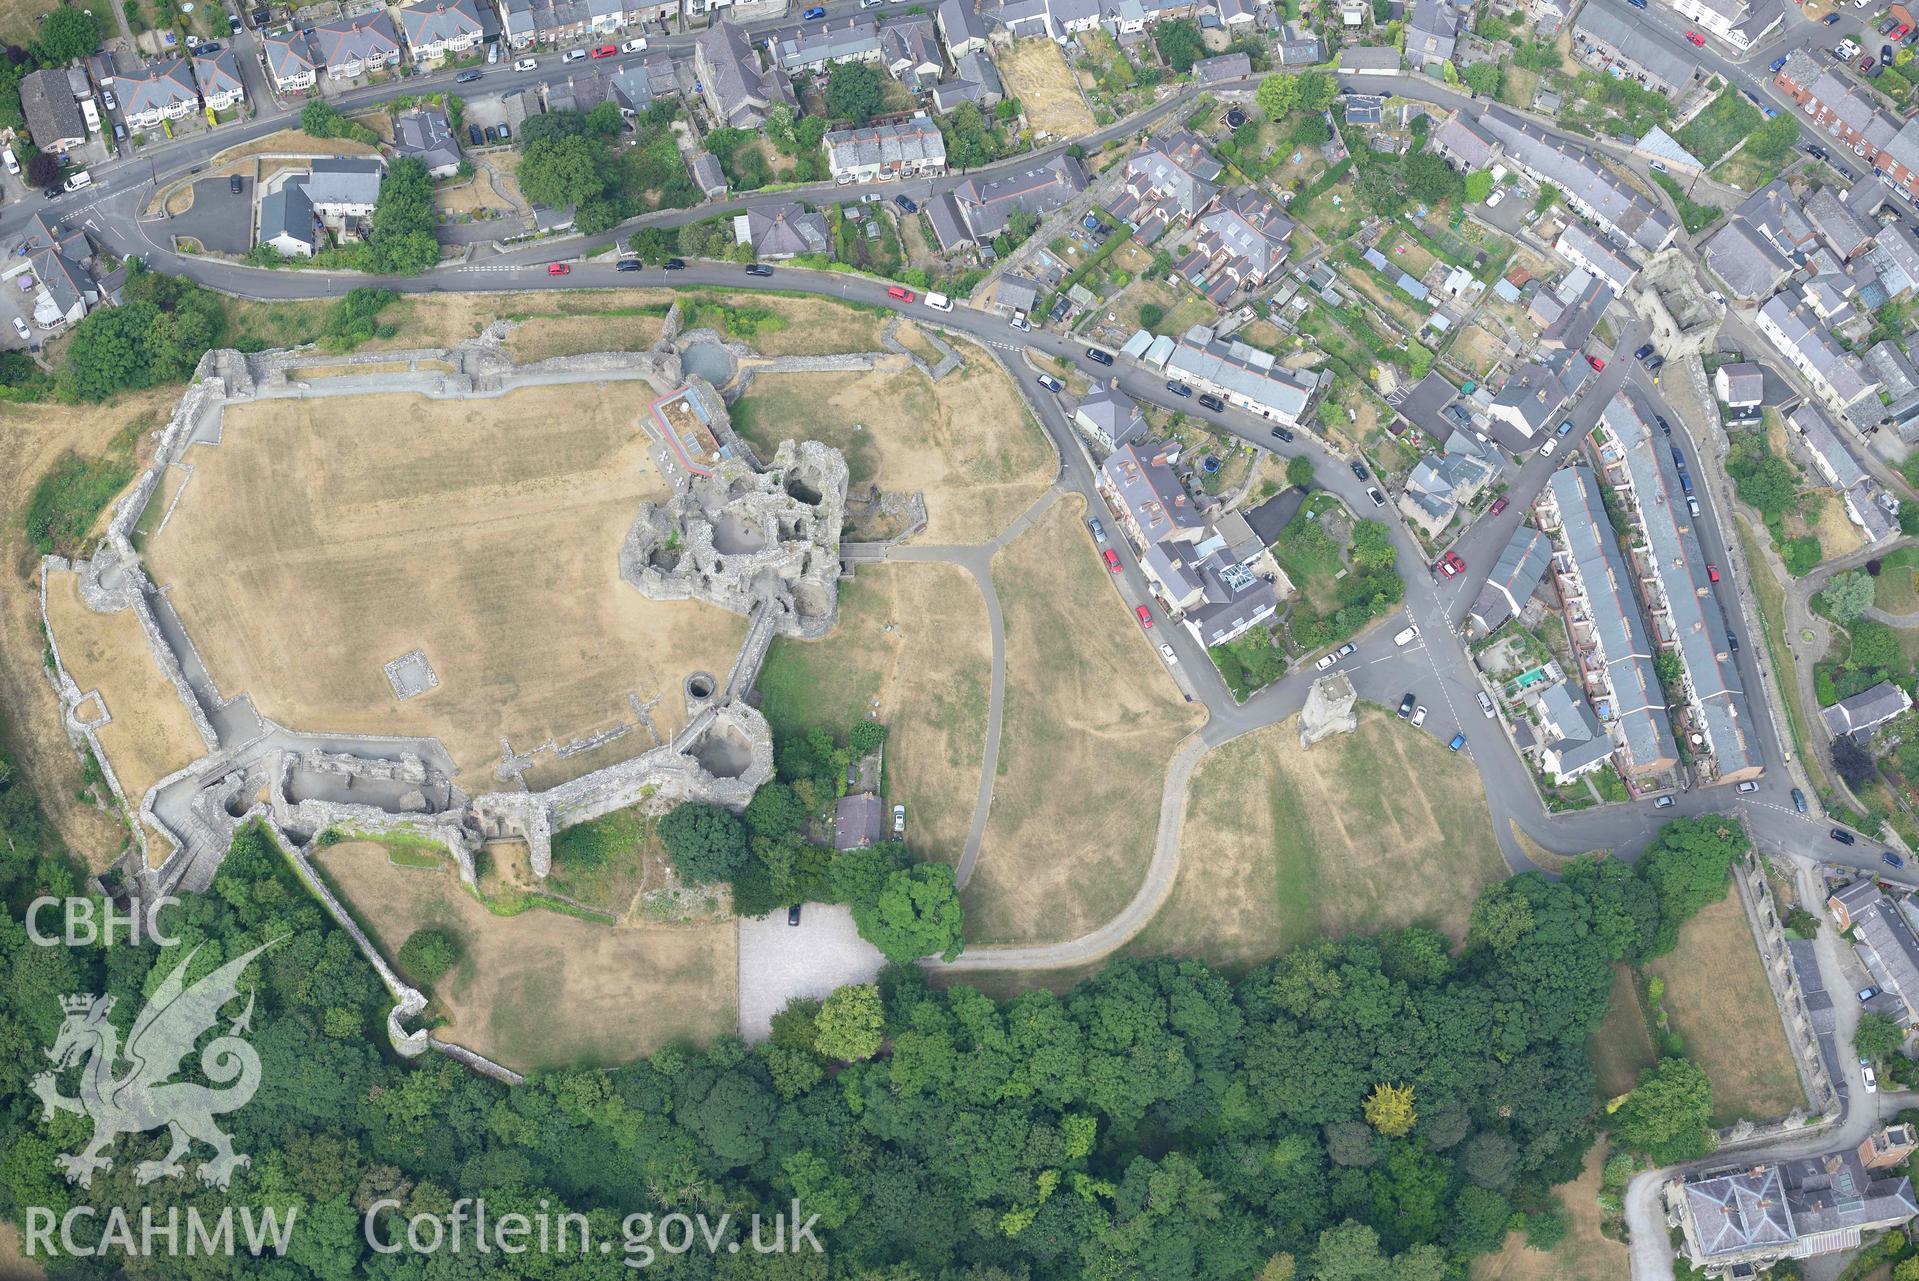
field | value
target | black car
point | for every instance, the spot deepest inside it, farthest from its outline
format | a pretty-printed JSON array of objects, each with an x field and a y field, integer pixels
[
  {"x": 1663, "y": 425},
  {"x": 1406, "y": 708},
  {"x": 906, "y": 204},
  {"x": 674, "y": 264},
  {"x": 1212, "y": 402},
  {"x": 474, "y": 136},
  {"x": 627, "y": 264},
  {"x": 211, "y": 46},
  {"x": 51, "y": 192},
  {"x": 1891, "y": 860},
  {"x": 1885, "y": 53},
  {"x": 1099, "y": 357},
  {"x": 1281, "y": 433},
  {"x": 758, "y": 269},
  {"x": 492, "y": 134},
  {"x": 1799, "y": 800},
  {"x": 1732, "y": 641},
  {"x": 233, "y": 23},
  {"x": 1844, "y": 837},
  {"x": 236, "y": 184},
  {"x": 468, "y": 77},
  {"x": 1358, "y": 470},
  {"x": 793, "y": 914},
  {"x": 1179, "y": 389}
]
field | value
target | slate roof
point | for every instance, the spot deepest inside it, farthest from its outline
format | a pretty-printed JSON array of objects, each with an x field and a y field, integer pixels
[
  {"x": 345, "y": 181},
  {"x": 425, "y": 134},
  {"x": 1460, "y": 137},
  {"x": 1112, "y": 413},
  {"x": 434, "y": 21},
  {"x": 1515, "y": 576},
  {"x": 218, "y": 74},
  {"x": 831, "y": 40},
  {"x": 1582, "y": 178},
  {"x": 366, "y": 37},
  {"x": 859, "y": 820},
  {"x": 289, "y": 54},
  {"x": 1241, "y": 370},
  {"x": 1837, "y": 225},
  {"x": 1638, "y": 45},
  {"x": 1741, "y": 1211},
  {"x": 1807, "y": 337},
  {"x": 1612, "y": 264},
  {"x": 917, "y": 141},
  {"x": 158, "y": 86},
  {"x": 1433, "y": 30},
  {"x": 1580, "y": 740},
  {"x": 1824, "y": 440},
  {"x": 288, "y": 212},
  {"x": 978, "y": 210},
  {"x": 785, "y": 230},
  {"x": 52, "y": 114},
  {"x": 734, "y": 79},
  {"x": 1745, "y": 383},
  {"x": 1141, "y": 477},
  {"x": 1866, "y": 709},
  {"x": 1227, "y": 66}
]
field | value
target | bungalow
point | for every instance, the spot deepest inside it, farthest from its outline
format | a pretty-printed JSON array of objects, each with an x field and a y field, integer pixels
[
  {"x": 353, "y": 46},
  {"x": 290, "y": 61},
  {"x": 287, "y": 221},
  {"x": 60, "y": 260},
  {"x": 859, "y": 820},
  {"x": 218, "y": 75},
  {"x": 159, "y": 91},
  {"x": 782, "y": 231},
  {"x": 880, "y": 153},
  {"x": 53, "y": 115},
  {"x": 437, "y": 29},
  {"x": 1440, "y": 484},
  {"x": 426, "y": 135}
]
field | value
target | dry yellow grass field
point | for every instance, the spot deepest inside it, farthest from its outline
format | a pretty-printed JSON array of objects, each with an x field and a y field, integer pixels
[
  {"x": 32, "y": 439},
  {"x": 1091, "y": 720},
  {"x": 912, "y": 639},
  {"x": 151, "y": 734},
  {"x": 1718, "y": 1001},
  {"x": 967, "y": 442},
  {"x": 541, "y": 989},
  {"x": 1280, "y": 846},
  {"x": 1584, "y": 1255},
  {"x": 544, "y": 337},
  {"x": 1036, "y": 73},
  {"x": 325, "y": 537}
]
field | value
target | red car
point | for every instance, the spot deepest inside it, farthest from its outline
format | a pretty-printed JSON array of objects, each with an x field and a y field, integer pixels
[
  {"x": 1599, "y": 366},
  {"x": 903, "y": 295},
  {"x": 1899, "y": 32},
  {"x": 1450, "y": 564},
  {"x": 1865, "y": 64},
  {"x": 1712, "y": 572},
  {"x": 606, "y": 51},
  {"x": 1696, "y": 38},
  {"x": 1145, "y": 616},
  {"x": 1499, "y": 505},
  {"x": 557, "y": 269},
  {"x": 1112, "y": 559}
]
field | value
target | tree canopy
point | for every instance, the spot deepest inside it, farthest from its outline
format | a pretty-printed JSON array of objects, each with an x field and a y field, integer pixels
[
  {"x": 1668, "y": 1115},
  {"x": 854, "y": 91}
]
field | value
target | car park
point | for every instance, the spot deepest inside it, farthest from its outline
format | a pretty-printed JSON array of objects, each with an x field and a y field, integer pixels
[
  {"x": 468, "y": 76},
  {"x": 1209, "y": 401},
  {"x": 1098, "y": 530},
  {"x": 627, "y": 264},
  {"x": 758, "y": 269},
  {"x": 1144, "y": 615},
  {"x": 1097, "y": 356},
  {"x": 1662, "y": 802},
  {"x": 526, "y": 64},
  {"x": 1379, "y": 499},
  {"x": 1799, "y": 800},
  {"x": 1407, "y": 635},
  {"x": 1111, "y": 558},
  {"x": 1282, "y": 433},
  {"x": 1419, "y": 715},
  {"x": 557, "y": 269},
  {"x": 1406, "y": 708},
  {"x": 1841, "y": 835},
  {"x": 906, "y": 204},
  {"x": 1179, "y": 389},
  {"x": 1459, "y": 741},
  {"x": 1051, "y": 383},
  {"x": 1891, "y": 860}
]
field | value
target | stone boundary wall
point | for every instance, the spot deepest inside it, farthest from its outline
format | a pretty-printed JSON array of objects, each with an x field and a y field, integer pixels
[
  {"x": 71, "y": 695},
  {"x": 1769, "y": 935}
]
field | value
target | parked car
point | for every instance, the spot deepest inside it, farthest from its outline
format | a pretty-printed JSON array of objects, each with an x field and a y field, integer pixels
[
  {"x": 627, "y": 264},
  {"x": 236, "y": 184},
  {"x": 1451, "y": 565},
  {"x": 1885, "y": 53},
  {"x": 1732, "y": 642},
  {"x": 526, "y": 64},
  {"x": 557, "y": 269},
  {"x": 1166, "y": 652},
  {"x": 492, "y": 54},
  {"x": 1099, "y": 530},
  {"x": 674, "y": 264},
  {"x": 1799, "y": 800},
  {"x": 573, "y": 55},
  {"x": 1406, "y": 708},
  {"x": 906, "y": 204},
  {"x": 1111, "y": 558},
  {"x": 899, "y": 294},
  {"x": 1712, "y": 572},
  {"x": 468, "y": 76},
  {"x": 637, "y": 45},
  {"x": 1372, "y": 492},
  {"x": 1844, "y": 837},
  {"x": 1209, "y": 401},
  {"x": 1358, "y": 470},
  {"x": 813, "y": 14},
  {"x": 1486, "y": 705},
  {"x": 1144, "y": 615},
  {"x": 1321, "y": 663},
  {"x": 1646, "y": 350},
  {"x": 606, "y": 51},
  {"x": 1865, "y": 64},
  {"x": 20, "y": 327},
  {"x": 1830, "y": 20},
  {"x": 106, "y": 96},
  {"x": 1179, "y": 389},
  {"x": 899, "y": 819},
  {"x": 1866, "y": 1077},
  {"x": 1662, "y": 802},
  {"x": 1697, "y": 40},
  {"x": 1867, "y": 993},
  {"x": 793, "y": 914},
  {"x": 1550, "y": 448},
  {"x": 1051, "y": 383},
  {"x": 1099, "y": 357},
  {"x": 1777, "y": 63},
  {"x": 1891, "y": 860},
  {"x": 1599, "y": 366},
  {"x": 1346, "y": 651},
  {"x": 1419, "y": 715},
  {"x": 473, "y": 136},
  {"x": 1565, "y": 428},
  {"x": 1499, "y": 505},
  {"x": 1692, "y": 504},
  {"x": 758, "y": 269},
  {"x": 1459, "y": 741},
  {"x": 1282, "y": 433},
  {"x": 1747, "y": 788},
  {"x": 1022, "y": 324},
  {"x": 506, "y": 131}
]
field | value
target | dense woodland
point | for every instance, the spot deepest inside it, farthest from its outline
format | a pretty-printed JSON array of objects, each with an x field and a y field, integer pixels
[{"x": 1366, "y": 1108}]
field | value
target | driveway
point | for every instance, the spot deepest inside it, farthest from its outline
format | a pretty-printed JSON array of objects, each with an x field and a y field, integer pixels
[
  {"x": 779, "y": 962},
  {"x": 221, "y": 221}
]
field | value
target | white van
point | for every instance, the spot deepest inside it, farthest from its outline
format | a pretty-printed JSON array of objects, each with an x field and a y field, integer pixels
[
  {"x": 938, "y": 302},
  {"x": 1407, "y": 636},
  {"x": 13, "y": 164},
  {"x": 634, "y": 46},
  {"x": 79, "y": 178}
]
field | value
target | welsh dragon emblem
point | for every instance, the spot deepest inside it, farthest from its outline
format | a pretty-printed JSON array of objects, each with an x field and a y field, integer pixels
[{"x": 141, "y": 1098}]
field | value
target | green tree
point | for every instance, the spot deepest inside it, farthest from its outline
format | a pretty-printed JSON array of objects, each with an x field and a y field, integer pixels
[
  {"x": 1179, "y": 43},
  {"x": 1389, "y": 1109},
  {"x": 655, "y": 245},
  {"x": 706, "y": 843},
  {"x": 606, "y": 120},
  {"x": 1430, "y": 179},
  {"x": 1668, "y": 1115},
  {"x": 1479, "y": 184},
  {"x": 1687, "y": 866},
  {"x": 1483, "y": 78},
  {"x": 1317, "y": 89},
  {"x": 1852, "y": 761},
  {"x": 108, "y": 352},
  {"x": 1299, "y": 471},
  {"x": 1878, "y": 1036},
  {"x": 853, "y": 92},
  {"x": 848, "y": 1026},
  {"x": 401, "y": 242},
  {"x": 561, "y": 172},
  {"x": 1277, "y": 95},
  {"x": 1848, "y": 595},
  {"x": 427, "y": 955},
  {"x": 917, "y": 913},
  {"x": 67, "y": 34}
]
